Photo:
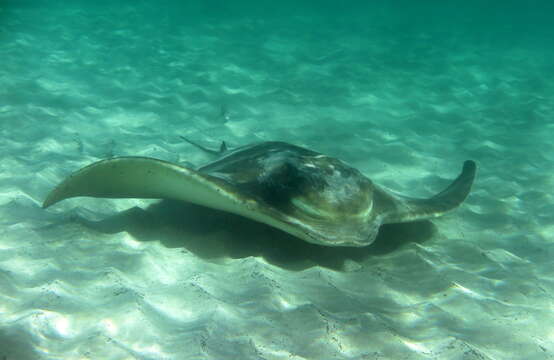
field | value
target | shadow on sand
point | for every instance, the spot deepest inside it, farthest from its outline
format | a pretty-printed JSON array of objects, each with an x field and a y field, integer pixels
[{"x": 213, "y": 234}]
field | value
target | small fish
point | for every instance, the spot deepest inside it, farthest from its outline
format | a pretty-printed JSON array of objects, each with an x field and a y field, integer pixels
[
  {"x": 79, "y": 142},
  {"x": 224, "y": 113}
]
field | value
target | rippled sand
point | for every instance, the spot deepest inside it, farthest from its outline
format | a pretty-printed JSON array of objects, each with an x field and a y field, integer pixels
[{"x": 91, "y": 279}]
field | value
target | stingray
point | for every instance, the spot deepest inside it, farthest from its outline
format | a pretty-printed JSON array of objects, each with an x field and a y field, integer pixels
[{"x": 317, "y": 198}]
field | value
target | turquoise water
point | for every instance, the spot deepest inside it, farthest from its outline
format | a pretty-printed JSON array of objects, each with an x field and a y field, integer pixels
[{"x": 404, "y": 91}]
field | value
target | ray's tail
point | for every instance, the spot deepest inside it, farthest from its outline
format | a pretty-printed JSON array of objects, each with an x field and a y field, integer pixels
[{"x": 413, "y": 209}]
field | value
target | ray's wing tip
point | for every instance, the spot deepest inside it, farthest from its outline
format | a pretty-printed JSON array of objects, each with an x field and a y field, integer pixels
[
  {"x": 465, "y": 180},
  {"x": 469, "y": 171},
  {"x": 470, "y": 167},
  {"x": 49, "y": 201}
]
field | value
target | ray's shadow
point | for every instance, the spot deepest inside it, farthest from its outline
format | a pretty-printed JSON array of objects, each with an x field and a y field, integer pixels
[{"x": 213, "y": 234}]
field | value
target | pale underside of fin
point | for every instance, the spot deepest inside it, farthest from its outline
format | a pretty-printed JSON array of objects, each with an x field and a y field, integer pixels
[{"x": 139, "y": 177}]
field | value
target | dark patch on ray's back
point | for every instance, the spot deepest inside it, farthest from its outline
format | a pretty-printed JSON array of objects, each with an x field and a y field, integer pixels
[{"x": 284, "y": 182}]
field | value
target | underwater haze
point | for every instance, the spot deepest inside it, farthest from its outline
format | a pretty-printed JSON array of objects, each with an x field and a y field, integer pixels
[{"x": 404, "y": 91}]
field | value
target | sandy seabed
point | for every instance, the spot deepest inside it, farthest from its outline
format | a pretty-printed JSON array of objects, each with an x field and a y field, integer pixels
[{"x": 90, "y": 279}]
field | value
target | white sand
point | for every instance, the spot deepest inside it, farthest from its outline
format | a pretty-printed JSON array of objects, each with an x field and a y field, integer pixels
[{"x": 406, "y": 110}]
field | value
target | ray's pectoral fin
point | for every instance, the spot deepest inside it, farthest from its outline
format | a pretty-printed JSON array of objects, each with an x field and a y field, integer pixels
[
  {"x": 139, "y": 177},
  {"x": 147, "y": 178},
  {"x": 412, "y": 209}
]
